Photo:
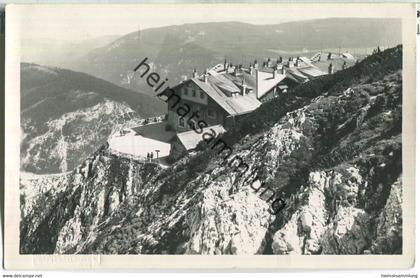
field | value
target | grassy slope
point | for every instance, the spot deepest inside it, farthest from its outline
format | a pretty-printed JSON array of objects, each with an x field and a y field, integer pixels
[{"x": 51, "y": 89}]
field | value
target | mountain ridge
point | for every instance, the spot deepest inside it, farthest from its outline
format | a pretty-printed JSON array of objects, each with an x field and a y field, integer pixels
[{"x": 176, "y": 50}]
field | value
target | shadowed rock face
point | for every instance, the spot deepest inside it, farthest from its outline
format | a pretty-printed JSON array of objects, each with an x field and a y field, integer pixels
[{"x": 336, "y": 159}]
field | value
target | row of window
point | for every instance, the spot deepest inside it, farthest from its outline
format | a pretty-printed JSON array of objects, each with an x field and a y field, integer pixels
[
  {"x": 181, "y": 122},
  {"x": 194, "y": 93}
]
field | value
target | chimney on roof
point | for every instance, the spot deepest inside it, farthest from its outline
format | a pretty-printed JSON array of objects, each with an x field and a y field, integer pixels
[
  {"x": 290, "y": 63},
  {"x": 243, "y": 87},
  {"x": 225, "y": 65},
  {"x": 279, "y": 65},
  {"x": 269, "y": 62},
  {"x": 255, "y": 64},
  {"x": 256, "y": 83},
  {"x": 195, "y": 75},
  {"x": 344, "y": 65},
  {"x": 251, "y": 69},
  {"x": 297, "y": 62},
  {"x": 205, "y": 76},
  {"x": 229, "y": 67},
  {"x": 236, "y": 70},
  {"x": 329, "y": 56},
  {"x": 330, "y": 69}
]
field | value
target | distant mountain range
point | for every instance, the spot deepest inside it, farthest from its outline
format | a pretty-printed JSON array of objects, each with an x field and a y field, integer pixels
[
  {"x": 176, "y": 50},
  {"x": 66, "y": 115}
]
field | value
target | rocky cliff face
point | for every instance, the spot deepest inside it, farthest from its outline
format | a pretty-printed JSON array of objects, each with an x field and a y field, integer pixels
[
  {"x": 66, "y": 116},
  {"x": 336, "y": 160},
  {"x": 60, "y": 146}
]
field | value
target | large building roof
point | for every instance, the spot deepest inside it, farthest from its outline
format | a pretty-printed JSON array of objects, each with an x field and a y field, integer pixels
[
  {"x": 238, "y": 90},
  {"x": 234, "y": 104},
  {"x": 311, "y": 72},
  {"x": 323, "y": 60},
  {"x": 266, "y": 82},
  {"x": 190, "y": 139}
]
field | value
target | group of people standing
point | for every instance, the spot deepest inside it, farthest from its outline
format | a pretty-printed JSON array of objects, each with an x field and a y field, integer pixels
[{"x": 150, "y": 156}]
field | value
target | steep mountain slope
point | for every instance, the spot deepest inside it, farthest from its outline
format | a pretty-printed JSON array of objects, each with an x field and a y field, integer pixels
[
  {"x": 331, "y": 148},
  {"x": 176, "y": 50},
  {"x": 65, "y": 115}
]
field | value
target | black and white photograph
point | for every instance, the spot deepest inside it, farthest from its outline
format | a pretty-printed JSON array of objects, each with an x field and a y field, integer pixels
[{"x": 210, "y": 130}]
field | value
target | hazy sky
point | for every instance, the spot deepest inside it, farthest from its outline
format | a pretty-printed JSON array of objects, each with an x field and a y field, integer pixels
[
  {"x": 74, "y": 23},
  {"x": 78, "y": 22}
]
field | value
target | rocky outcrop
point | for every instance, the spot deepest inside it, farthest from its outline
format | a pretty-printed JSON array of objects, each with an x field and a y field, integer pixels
[
  {"x": 348, "y": 233},
  {"x": 327, "y": 221},
  {"x": 301, "y": 234},
  {"x": 389, "y": 229},
  {"x": 228, "y": 226},
  {"x": 66, "y": 141},
  {"x": 74, "y": 206}
]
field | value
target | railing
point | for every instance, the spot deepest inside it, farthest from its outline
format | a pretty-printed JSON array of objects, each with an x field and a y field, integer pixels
[
  {"x": 142, "y": 122},
  {"x": 155, "y": 119},
  {"x": 139, "y": 158}
]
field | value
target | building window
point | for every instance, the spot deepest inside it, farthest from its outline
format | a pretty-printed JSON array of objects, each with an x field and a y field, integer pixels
[
  {"x": 197, "y": 110},
  {"x": 192, "y": 124},
  {"x": 201, "y": 94},
  {"x": 194, "y": 94},
  {"x": 211, "y": 113},
  {"x": 186, "y": 91},
  {"x": 181, "y": 122}
]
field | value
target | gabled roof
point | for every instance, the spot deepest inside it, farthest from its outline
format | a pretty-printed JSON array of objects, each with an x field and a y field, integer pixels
[
  {"x": 305, "y": 60},
  {"x": 223, "y": 82},
  {"x": 337, "y": 60},
  {"x": 304, "y": 71},
  {"x": 323, "y": 56},
  {"x": 232, "y": 105},
  {"x": 291, "y": 77},
  {"x": 217, "y": 68},
  {"x": 248, "y": 79},
  {"x": 297, "y": 74},
  {"x": 311, "y": 72},
  {"x": 226, "y": 88},
  {"x": 190, "y": 139}
]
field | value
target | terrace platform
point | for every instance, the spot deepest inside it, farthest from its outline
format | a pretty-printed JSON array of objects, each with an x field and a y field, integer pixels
[{"x": 137, "y": 142}]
